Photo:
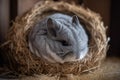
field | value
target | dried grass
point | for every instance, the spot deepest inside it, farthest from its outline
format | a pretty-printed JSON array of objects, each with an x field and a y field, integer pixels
[{"x": 22, "y": 61}]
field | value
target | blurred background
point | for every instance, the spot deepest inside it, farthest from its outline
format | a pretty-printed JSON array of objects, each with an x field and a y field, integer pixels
[{"x": 108, "y": 9}]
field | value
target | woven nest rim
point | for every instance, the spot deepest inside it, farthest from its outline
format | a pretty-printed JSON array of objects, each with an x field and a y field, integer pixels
[{"x": 27, "y": 63}]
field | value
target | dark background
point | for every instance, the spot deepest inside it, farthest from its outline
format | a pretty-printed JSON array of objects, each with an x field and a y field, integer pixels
[
  {"x": 115, "y": 28},
  {"x": 108, "y": 9}
]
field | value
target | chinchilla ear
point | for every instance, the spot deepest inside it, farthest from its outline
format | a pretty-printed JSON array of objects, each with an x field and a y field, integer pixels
[
  {"x": 52, "y": 27},
  {"x": 75, "y": 20}
]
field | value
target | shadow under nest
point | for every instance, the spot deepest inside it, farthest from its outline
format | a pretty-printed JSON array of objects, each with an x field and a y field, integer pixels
[{"x": 21, "y": 60}]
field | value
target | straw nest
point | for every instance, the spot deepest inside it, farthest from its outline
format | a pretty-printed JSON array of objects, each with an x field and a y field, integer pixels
[{"x": 21, "y": 60}]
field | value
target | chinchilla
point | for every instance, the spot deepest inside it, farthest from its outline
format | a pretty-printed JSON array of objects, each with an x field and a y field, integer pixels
[{"x": 59, "y": 38}]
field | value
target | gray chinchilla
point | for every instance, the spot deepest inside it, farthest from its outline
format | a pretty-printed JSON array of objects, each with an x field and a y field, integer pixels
[{"x": 59, "y": 38}]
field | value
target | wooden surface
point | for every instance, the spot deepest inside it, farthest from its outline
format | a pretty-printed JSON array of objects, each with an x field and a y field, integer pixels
[
  {"x": 25, "y": 5},
  {"x": 102, "y": 7},
  {"x": 4, "y": 18}
]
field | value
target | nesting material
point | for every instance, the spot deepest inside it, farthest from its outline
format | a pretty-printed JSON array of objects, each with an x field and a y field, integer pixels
[{"x": 20, "y": 58}]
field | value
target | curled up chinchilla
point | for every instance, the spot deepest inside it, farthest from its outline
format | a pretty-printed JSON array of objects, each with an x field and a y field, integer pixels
[{"x": 59, "y": 38}]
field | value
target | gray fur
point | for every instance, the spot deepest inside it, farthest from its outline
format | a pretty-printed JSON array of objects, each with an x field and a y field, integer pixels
[{"x": 59, "y": 38}]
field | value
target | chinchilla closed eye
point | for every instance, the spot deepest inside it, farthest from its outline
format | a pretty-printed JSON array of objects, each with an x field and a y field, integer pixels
[{"x": 59, "y": 38}]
